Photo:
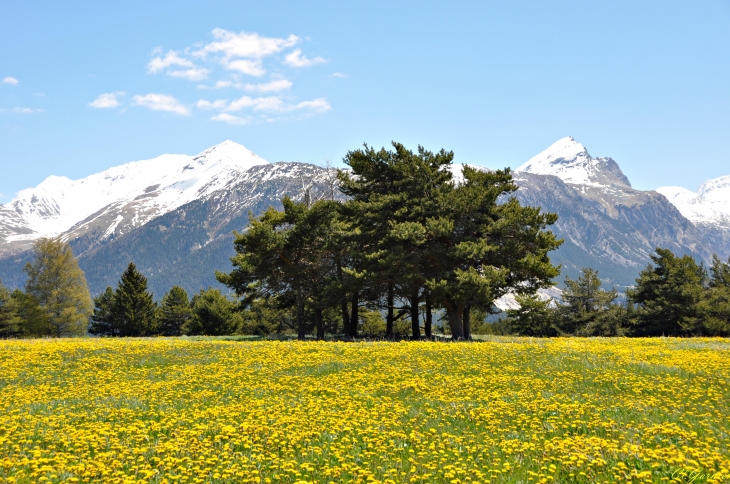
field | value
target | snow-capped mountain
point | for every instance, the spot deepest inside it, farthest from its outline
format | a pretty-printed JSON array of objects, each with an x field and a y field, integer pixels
[
  {"x": 709, "y": 205},
  {"x": 119, "y": 199},
  {"x": 569, "y": 160}
]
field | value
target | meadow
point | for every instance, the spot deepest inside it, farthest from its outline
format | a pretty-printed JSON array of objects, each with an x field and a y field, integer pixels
[{"x": 179, "y": 410}]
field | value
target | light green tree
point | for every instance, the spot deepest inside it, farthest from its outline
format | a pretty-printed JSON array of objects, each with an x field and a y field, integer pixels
[{"x": 57, "y": 286}]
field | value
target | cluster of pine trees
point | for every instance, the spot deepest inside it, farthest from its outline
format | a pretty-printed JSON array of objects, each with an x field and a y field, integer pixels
[
  {"x": 413, "y": 248},
  {"x": 408, "y": 237},
  {"x": 673, "y": 296}
]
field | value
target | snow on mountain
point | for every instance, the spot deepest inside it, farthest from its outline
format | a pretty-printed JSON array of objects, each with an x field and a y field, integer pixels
[
  {"x": 134, "y": 192},
  {"x": 569, "y": 160},
  {"x": 709, "y": 205}
]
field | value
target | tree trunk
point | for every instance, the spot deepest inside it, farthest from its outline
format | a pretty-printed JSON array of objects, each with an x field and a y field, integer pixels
[
  {"x": 455, "y": 311},
  {"x": 467, "y": 322},
  {"x": 354, "y": 318},
  {"x": 345, "y": 318},
  {"x": 389, "y": 317},
  {"x": 415, "y": 327},
  {"x": 429, "y": 317},
  {"x": 319, "y": 323},
  {"x": 300, "y": 315}
]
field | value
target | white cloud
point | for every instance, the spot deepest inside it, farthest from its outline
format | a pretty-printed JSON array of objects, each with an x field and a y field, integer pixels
[
  {"x": 172, "y": 58},
  {"x": 319, "y": 105},
  {"x": 338, "y": 74},
  {"x": 252, "y": 46},
  {"x": 296, "y": 59},
  {"x": 268, "y": 104},
  {"x": 223, "y": 84},
  {"x": 192, "y": 74},
  {"x": 10, "y": 80},
  {"x": 108, "y": 100},
  {"x": 161, "y": 102},
  {"x": 252, "y": 68},
  {"x": 220, "y": 104},
  {"x": 230, "y": 119},
  {"x": 22, "y": 110},
  {"x": 273, "y": 86}
]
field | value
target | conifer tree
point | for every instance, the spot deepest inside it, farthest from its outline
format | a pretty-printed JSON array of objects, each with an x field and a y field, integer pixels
[
  {"x": 533, "y": 317},
  {"x": 175, "y": 311},
  {"x": 586, "y": 304},
  {"x": 667, "y": 294},
  {"x": 57, "y": 286},
  {"x": 104, "y": 321},
  {"x": 213, "y": 314},
  {"x": 134, "y": 307},
  {"x": 714, "y": 308},
  {"x": 9, "y": 315}
]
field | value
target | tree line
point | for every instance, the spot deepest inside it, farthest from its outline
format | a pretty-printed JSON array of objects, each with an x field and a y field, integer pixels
[{"x": 414, "y": 249}]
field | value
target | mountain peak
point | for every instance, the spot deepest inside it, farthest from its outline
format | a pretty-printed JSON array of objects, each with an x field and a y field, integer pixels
[
  {"x": 230, "y": 152},
  {"x": 569, "y": 160}
]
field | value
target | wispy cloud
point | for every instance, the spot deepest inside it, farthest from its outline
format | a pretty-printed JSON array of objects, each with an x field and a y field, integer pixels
[
  {"x": 26, "y": 110},
  {"x": 250, "y": 67},
  {"x": 266, "y": 104},
  {"x": 230, "y": 119},
  {"x": 174, "y": 59},
  {"x": 338, "y": 74},
  {"x": 296, "y": 59},
  {"x": 10, "y": 80},
  {"x": 161, "y": 102},
  {"x": 108, "y": 100},
  {"x": 273, "y": 86},
  {"x": 246, "y": 45}
]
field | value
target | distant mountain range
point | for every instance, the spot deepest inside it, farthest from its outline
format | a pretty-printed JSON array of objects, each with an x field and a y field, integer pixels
[{"x": 174, "y": 215}]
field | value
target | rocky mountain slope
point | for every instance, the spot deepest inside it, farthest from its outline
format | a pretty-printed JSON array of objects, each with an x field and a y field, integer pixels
[{"x": 111, "y": 203}]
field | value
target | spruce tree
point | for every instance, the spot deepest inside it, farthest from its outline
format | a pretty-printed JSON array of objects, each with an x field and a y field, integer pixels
[
  {"x": 714, "y": 308},
  {"x": 213, "y": 314},
  {"x": 174, "y": 311},
  {"x": 585, "y": 304},
  {"x": 57, "y": 286},
  {"x": 667, "y": 294},
  {"x": 134, "y": 307},
  {"x": 533, "y": 317},
  {"x": 104, "y": 321},
  {"x": 9, "y": 315}
]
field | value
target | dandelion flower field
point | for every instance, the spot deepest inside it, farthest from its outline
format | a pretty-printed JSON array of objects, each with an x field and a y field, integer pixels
[{"x": 503, "y": 410}]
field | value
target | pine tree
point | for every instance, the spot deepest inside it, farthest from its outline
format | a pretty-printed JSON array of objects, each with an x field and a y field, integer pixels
[
  {"x": 104, "y": 321},
  {"x": 213, "y": 314},
  {"x": 134, "y": 308},
  {"x": 534, "y": 317},
  {"x": 174, "y": 311},
  {"x": 9, "y": 315},
  {"x": 667, "y": 294},
  {"x": 714, "y": 308},
  {"x": 58, "y": 286},
  {"x": 585, "y": 303}
]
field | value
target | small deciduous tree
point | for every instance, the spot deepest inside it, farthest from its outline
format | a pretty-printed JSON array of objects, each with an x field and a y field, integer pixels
[{"x": 57, "y": 286}]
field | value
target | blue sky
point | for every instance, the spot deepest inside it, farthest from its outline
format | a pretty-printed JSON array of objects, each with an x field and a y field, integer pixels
[{"x": 647, "y": 83}]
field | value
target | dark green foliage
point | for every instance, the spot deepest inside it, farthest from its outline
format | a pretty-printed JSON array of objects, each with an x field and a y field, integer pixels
[
  {"x": 714, "y": 308},
  {"x": 104, "y": 321},
  {"x": 667, "y": 294},
  {"x": 267, "y": 316},
  {"x": 213, "y": 314},
  {"x": 9, "y": 314},
  {"x": 286, "y": 253},
  {"x": 488, "y": 247},
  {"x": 134, "y": 308},
  {"x": 587, "y": 309},
  {"x": 174, "y": 312},
  {"x": 534, "y": 317}
]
